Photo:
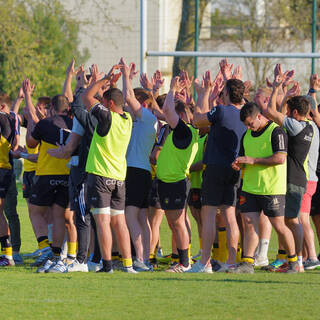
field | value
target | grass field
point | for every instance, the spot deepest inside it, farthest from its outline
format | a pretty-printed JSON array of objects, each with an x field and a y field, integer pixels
[{"x": 158, "y": 295}]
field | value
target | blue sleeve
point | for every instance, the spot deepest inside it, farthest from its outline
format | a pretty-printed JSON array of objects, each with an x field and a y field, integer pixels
[{"x": 214, "y": 115}]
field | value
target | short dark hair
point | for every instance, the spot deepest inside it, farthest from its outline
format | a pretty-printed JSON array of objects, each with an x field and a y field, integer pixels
[
  {"x": 299, "y": 103},
  {"x": 115, "y": 95},
  {"x": 235, "y": 89},
  {"x": 142, "y": 95},
  {"x": 60, "y": 103},
  {"x": 5, "y": 98},
  {"x": 250, "y": 109},
  {"x": 160, "y": 100},
  {"x": 180, "y": 107},
  {"x": 46, "y": 101}
]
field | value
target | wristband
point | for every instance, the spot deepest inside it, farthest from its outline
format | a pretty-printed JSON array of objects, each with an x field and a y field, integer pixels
[
  {"x": 311, "y": 90},
  {"x": 24, "y": 155}
]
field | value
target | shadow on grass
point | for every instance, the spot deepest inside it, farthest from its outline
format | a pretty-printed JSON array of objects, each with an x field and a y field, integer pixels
[{"x": 233, "y": 280}]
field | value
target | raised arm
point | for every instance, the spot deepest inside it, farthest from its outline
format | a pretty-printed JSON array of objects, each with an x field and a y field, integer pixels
[
  {"x": 292, "y": 92},
  {"x": 203, "y": 90},
  {"x": 127, "y": 89},
  {"x": 272, "y": 112},
  {"x": 169, "y": 106},
  {"x": 67, "y": 89},
  {"x": 16, "y": 105},
  {"x": 27, "y": 90},
  {"x": 88, "y": 96},
  {"x": 314, "y": 87}
]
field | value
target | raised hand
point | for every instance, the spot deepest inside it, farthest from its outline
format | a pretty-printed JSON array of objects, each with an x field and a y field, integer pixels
[
  {"x": 247, "y": 86},
  {"x": 145, "y": 82},
  {"x": 70, "y": 70},
  {"x": 95, "y": 75},
  {"x": 278, "y": 81},
  {"x": 269, "y": 83},
  {"x": 214, "y": 94},
  {"x": 226, "y": 69},
  {"x": 27, "y": 88},
  {"x": 288, "y": 78},
  {"x": 315, "y": 82},
  {"x": 208, "y": 83},
  {"x": 20, "y": 94},
  {"x": 115, "y": 78},
  {"x": 120, "y": 66},
  {"x": 199, "y": 86},
  {"x": 157, "y": 80},
  {"x": 176, "y": 85},
  {"x": 294, "y": 91},
  {"x": 237, "y": 73},
  {"x": 277, "y": 70},
  {"x": 133, "y": 71}
]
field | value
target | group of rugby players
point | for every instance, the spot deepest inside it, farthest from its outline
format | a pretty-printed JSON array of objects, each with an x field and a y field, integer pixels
[{"x": 102, "y": 166}]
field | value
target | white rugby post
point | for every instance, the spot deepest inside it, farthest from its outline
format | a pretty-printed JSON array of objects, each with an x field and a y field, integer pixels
[
  {"x": 143, "y": 36},
  {"x": 284, "y": 55}
]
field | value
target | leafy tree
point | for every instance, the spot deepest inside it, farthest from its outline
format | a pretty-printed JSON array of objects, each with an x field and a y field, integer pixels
[
  {"x": 38, "y": 39},
  {"x": 186, "y": 37},
  {"x": 278, "y": 22}
]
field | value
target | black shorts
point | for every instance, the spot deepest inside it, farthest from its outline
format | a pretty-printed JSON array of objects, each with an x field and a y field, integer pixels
[
  {"x": 49, "y": 190},
  {"x": 272, "y": 206},
  {"x": 153, "y": 199},
  {"x": 315, "y": 202},
  {"x": 194, "y": 198},
  {"x": 5, "y": 181},
  {"x": 172, "y": 195},
  {"x": 138, "y": 184},
  {"x": 105, "y": 195},
  {"x": 219, "y": 186},
  {"x": 27, "y": 183}
]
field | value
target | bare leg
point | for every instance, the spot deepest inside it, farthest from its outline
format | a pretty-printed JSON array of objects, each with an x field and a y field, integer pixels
[
  {"x": 131, "y": 215},
  {"x": 146, "y": 232},
  {"x": 120, "y": 228},
  {"x": 308, "y": 236},
  {"x": 232, "y": 232},
  {"x": 208, "y": 218},
  {"x": 104, "y": 235}
]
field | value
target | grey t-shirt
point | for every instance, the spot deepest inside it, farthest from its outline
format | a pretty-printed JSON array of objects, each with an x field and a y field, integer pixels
[
  {"x": 313, "y": 154},
  {"x": 293, "y": 126}
]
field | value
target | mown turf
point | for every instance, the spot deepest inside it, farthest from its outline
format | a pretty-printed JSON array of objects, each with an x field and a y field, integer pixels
[{"x": 158, "y": 295}]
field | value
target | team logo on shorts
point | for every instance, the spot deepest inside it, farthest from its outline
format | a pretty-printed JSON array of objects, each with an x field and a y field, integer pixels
[
  {"x": 23, "y": 187},
  {"x": 166, "y": 200},
  {"x": 242, "y": 200}
]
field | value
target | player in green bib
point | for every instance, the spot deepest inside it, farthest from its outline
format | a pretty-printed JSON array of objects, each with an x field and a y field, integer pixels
[
  {"x": 263, "y": 154},
  {"x": 173, "y": 165},
  {"x": 106, "y": 167}
]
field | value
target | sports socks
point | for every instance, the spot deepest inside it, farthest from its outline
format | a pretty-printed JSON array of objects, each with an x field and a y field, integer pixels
[
  {"x": 127, "y": 263},
  {"x": 56, "y": 252},
  {"x": 223, "y": 248},
  {"x": 263, "y": 247},
  {"x": 248, "y": 259},
  {"x": 215, "y": 251},
  {"x": 183, "y": 257},
  {"x": 43, "y": 242},
  {"x": 6, "y": 248},
  {"x": 174, "y": 258},
  {"x": 282, "y": 255},
  {"x": 106, "y": 265},
  {"x": 72, "y": 250}
]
